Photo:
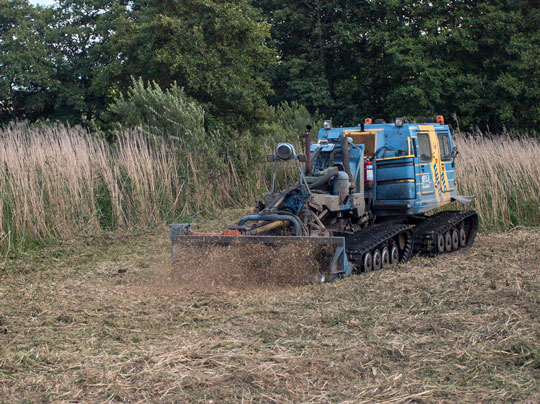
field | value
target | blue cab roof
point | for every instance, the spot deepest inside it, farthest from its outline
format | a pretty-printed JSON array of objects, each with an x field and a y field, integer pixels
[{"x": 387, "y": 128}]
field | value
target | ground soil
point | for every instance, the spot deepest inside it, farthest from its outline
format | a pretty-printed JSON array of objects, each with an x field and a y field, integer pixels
[{"x": 99, "y": 320}]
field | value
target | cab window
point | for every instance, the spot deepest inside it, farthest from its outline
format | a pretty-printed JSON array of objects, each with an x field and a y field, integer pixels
[
  {"x": 444, "y": 144},
  {"x": 424, "y": 147}
]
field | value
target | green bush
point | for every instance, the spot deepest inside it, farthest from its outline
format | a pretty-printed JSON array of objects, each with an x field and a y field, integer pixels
[
  {"x": 169, "y": 113},
  {"x": 287, "y": 123}
]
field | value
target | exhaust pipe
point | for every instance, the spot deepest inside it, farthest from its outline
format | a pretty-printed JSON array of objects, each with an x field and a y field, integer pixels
[{"x": 308, "y": 150}]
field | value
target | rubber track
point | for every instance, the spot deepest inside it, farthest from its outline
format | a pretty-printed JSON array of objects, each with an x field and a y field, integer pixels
[
  {"x": 368, "y": 239},
  {"x": 426, "y": 233}
]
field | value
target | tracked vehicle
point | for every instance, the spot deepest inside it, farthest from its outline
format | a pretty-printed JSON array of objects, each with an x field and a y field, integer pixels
[{"x": 364, "y": 194}]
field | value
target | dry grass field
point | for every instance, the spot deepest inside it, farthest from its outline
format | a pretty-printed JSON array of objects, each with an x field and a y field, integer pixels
[{"x": 98, "y": 320}]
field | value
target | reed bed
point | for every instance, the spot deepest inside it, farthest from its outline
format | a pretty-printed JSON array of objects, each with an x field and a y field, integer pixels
[
  {"x": 62, "y": 182},
  {"x": 503, "y": 173}
]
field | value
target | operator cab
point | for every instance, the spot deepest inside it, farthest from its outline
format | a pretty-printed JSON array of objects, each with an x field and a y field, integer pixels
[{"x": 413, "y": 163}]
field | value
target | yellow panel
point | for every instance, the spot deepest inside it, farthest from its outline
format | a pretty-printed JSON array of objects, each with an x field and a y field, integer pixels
[{"x": 438, "y": 169}]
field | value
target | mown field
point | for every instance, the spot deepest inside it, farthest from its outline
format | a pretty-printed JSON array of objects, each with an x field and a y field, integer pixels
[{"x": 97, "y": 320}]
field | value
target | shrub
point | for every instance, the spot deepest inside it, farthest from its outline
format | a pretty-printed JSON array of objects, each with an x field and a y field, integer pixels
[{"x": 169, "y": 113}]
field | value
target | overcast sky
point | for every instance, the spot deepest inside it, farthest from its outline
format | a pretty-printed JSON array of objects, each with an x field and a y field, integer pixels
[{"x": 42, "y": 2}]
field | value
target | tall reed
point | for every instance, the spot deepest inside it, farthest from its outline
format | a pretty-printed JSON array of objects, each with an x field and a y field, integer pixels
[
  {"x": 60, "y": 182},
  {"x": 503, "y": 173}
]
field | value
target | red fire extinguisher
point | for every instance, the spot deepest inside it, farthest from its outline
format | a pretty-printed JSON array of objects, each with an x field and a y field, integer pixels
[{"x": 368, "y": 173}]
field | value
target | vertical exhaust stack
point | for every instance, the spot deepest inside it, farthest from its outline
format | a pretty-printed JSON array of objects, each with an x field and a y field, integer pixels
[{"x": 308, "y": 150}]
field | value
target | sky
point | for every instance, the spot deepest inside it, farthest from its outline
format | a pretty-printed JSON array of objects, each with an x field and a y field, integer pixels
[{"x": 42, "y": 2}]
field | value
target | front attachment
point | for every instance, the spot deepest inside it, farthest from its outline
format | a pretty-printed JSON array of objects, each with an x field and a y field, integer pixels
[{"x": 208, "y": 261}]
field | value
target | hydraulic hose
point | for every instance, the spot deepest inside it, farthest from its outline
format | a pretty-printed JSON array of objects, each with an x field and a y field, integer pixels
[
  {"x": 332, "y": 172},
  {"x": 273, "y": 218}
]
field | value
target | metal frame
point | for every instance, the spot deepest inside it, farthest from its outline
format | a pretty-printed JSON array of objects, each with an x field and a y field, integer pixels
[{"x": 340, "y": 266}]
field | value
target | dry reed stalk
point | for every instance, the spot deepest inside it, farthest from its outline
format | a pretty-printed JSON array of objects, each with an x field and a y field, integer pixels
[
  {"x": 47, "y": 180},
  {"x": 503, "y": 174},
  {"x": 57, "y": 181}
]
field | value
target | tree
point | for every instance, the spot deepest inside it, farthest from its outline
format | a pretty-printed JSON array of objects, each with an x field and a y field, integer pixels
[
  {"x": 82, "y": 32},
  {"x": 385, "y": 58},
  {"x": 466, "y": 57},
  {"x": 499, "y": 80},
  {"x": 26, "y": 61},
  {"x": 214, "y": 49},
  {"x": 302, "y": 38}
]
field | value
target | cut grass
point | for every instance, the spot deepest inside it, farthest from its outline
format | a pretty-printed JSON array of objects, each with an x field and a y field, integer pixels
[{"x": 93, "y": 321}]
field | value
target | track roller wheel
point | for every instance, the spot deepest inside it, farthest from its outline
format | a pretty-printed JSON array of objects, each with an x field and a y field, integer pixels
[
  {"x": 394, "y": 254},
  {"x": 367, "y": 262},
  {"x": 440, "y": 243},
  {"x": 462, "y": 237},
  {"x": 385, "y": 255},
  {"x": 455, "y": 239},
  {"x": 377, "y": 259},
  {"x": 380, "y": 246},
  {"x": 448, "y": 241}
]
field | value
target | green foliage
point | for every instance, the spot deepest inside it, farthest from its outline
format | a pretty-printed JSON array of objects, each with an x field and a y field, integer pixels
[
  {"x": 53, "y": 60},
  {"x": 213, "y": 49},
  {"x": 169, "y": 113},
  {"x": 287, "y": 123},
  {"x": 105, "y": 209},
  {"x": 345, "y": 60},
  {"x": 81, "y": 38},
  {"x": 26, "y": 68},
  {"x": 386, "y": 58}
]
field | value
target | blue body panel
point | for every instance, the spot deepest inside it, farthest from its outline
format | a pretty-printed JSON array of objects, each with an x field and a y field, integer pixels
[
  {"x": 403, "y": 182},
  {"x": 395, "y": 179}
]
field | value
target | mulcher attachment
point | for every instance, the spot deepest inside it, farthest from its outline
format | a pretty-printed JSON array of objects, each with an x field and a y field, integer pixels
[
  {"x": 445, "y": 232},
  {"x": 241, "y": 260}
]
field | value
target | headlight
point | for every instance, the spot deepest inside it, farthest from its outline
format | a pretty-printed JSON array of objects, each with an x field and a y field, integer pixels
[
  {"x": 399, "y": 122},
  {"x": 327, "y": 124},
  {"x": 284, "y": 151}
]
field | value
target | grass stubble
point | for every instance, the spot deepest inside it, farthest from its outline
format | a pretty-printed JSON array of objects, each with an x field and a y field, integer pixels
[{"x": 105, "y": 323}]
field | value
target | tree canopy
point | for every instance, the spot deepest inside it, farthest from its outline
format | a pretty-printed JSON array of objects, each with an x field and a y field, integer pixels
[
  {"x": 383, "y": 58},
  {"x": 343, "y": 59},
  {"x": 26, "y": 60}
]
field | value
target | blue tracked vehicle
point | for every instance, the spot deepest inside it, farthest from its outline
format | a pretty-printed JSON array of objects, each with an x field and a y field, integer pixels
[{"x": 365, "y": 191}]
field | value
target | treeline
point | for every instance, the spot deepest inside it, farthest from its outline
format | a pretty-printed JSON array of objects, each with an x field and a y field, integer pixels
[{"x": 234, "y": 60}]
